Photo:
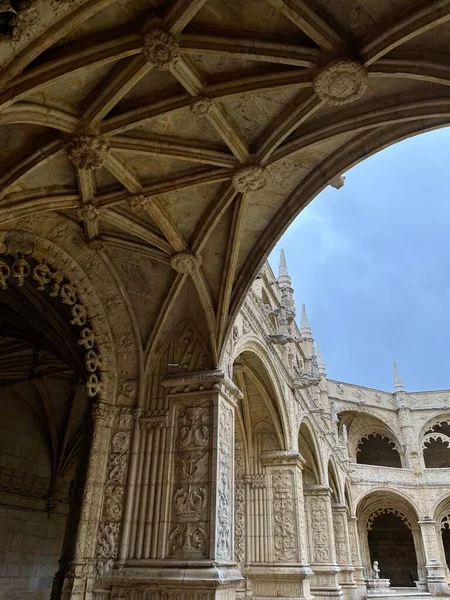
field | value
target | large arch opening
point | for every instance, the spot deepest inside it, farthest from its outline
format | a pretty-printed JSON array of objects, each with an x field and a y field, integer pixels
[
  {"x": 391, "y": 544},
  {"x": 258, "y": 430},
  {"x": 390, "y": 534},
  {"x": 43, "y": 431}
]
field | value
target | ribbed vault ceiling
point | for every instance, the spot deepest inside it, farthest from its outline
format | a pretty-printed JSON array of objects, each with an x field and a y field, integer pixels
[{"x": 140, "y": 120}]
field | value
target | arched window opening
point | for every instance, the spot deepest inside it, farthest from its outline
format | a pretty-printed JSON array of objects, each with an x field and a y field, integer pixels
[
  {"x": 378, "y": 449},
  {"x": 436, "y": 446},
  {"x": 445, "y": 533},
  {"x": 391, "y": 543}
]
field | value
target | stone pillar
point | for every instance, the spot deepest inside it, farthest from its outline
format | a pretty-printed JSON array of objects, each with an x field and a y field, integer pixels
[
  {"x": 195, "y": 549},
  {"x": 285, "y": 571},
  {"x": 78, "y": 564},
  {"x": 436, "y": 572},
  {"x": 343, "y": 552},
  {"x": 322, "y": 553},
  {"x": 355, "y": 553}
]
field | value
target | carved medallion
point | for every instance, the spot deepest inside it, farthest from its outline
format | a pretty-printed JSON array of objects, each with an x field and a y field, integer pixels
[{"x": 341, "y": 82}]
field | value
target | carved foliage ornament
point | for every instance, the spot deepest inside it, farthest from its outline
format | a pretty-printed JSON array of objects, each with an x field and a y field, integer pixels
[
  {"x": 57, "y": 285},
  {"x": 161, "y": 49},
  {"x": 185, "y": 262},
  {"x": 190, "y": 498},
  {"x": 88, "y": 152},
  {"x": 107, "y": 546},
  {"x": 224, "y": 483},
  {"x": 284, "y": 529},
  {"x": 341, "y": 81},
  {"x": 200, "y": 106},
  {"x": 250, "y": 179}
]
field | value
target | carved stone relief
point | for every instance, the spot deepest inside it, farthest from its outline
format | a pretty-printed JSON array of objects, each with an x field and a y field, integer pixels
[
  {"x": 189, "y": 533},
  {"x": 224, "y": 484},
  {"x": 284, "y": 528}
]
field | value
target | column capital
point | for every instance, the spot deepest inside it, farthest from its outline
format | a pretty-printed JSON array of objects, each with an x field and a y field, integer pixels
[
  {"x": 184, "y": 384},
  {"x": 317, "y": 490},
  {"x": 278, "y": 458}
]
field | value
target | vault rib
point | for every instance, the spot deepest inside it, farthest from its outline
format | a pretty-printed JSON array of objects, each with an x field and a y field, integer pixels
[
  {"x": 294, "y": 115},
  {"x": 29, "y": 164},
  {"x": 254, "y": 48},
  {"x": 50, "y": 36},
  {"x": 434, "y": 14},
  {"x": 180, "y": 13},
  {"x": 310, "y": 22},
  {"x": 129, "y": 226},
  {"x": 175, "y": 148},
  {"x": 229, "y": 270},
  {"x": 114, "y": 87},
  {"x": 192, "y": 82}
]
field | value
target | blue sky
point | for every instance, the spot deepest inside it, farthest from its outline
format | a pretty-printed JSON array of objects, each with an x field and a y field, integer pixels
[{"x": 371, "y": 261}]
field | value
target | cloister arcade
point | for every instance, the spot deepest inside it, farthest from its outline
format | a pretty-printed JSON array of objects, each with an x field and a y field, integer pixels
[{"x": 168, "y": 429}]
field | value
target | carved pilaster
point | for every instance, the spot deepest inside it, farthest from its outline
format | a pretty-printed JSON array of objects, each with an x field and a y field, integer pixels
[
  {"x": 77, "y": 573},
  {"x": 325, "y": 581},
  {"x": 436, "y": 574},
  {"x": 343, "y": 551},
  {"x": 195, "y": 500},
  {"x": 286, "y": 571},
  {"x": 355, "y": 555}
]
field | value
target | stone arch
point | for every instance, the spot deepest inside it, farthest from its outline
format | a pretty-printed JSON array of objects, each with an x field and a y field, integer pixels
[
  {"x": 441, "y": 515},
  {"x": 334, "y": 481},
  {"x": 369, "y": 434},
  {"x": 28, "y": 258},
  {"x": 309, "y": 448},
  {"x": 397, "y": 513},
  {"x": 435, "y": 442},
  {"x": 253, "y": 344}
]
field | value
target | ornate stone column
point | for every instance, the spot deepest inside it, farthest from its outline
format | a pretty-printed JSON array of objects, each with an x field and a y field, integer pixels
[
  {"x": 436, "y": 572},
  {"x": 322, "y": 553},
  {"x": 284, "y": 570},
  {"x": 355, "y": 553},
  {"x": 343, "y": 551},
  {"x": 78, "y": 564},
  {"x": 195, "y": 549}
]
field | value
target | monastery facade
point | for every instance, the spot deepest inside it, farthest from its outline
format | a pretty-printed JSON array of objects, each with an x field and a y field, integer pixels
[{"x": 312, "y": 479}]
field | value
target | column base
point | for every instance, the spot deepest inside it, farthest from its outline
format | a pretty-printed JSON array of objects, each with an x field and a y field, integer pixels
[
  {"x": 158, "y": 580},
  {"x": 437, "y": 580},
  {"x": 325, "y": 582},
  {"x": 282, "y": 583}
]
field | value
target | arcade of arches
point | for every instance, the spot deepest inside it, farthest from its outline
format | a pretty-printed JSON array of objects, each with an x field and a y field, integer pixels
[{"x": 168, "y": 430}]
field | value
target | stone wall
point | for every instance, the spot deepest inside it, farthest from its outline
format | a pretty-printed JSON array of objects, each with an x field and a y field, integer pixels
[{"x": 30, "y": 537}]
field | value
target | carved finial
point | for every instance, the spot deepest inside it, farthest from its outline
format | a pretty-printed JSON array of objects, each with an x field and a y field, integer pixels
[
  {"x": 337, "y": 182},
  {"x": 161, "y": 49},
  {"x": 249, "y": 179},
  {"x": 305, "y": 329},
  {"x": 88, "y": 152},
  {"x": 185, "y": 262},
  {"x": 341, "y": 81},
  {"x": 398, "y": 383},
  {"x": 200, "y": 106},
  {"x": 320, "y": 362}
]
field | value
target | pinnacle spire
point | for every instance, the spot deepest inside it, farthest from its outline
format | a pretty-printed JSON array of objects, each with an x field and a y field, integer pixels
[
  {"x": 282, "y": 269},
  {"x": 398, "y": 383},
  {"x": 320, "y": 361},
  {"x": 305, "y": 329},
  {"x": 284, "y": 279}
]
